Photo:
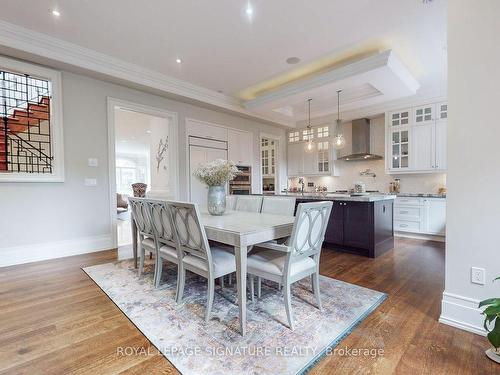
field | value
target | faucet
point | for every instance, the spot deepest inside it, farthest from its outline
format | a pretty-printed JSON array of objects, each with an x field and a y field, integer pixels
[{"x": 301, "y": 182}]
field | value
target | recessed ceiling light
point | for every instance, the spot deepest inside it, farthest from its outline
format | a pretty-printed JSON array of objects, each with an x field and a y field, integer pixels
[
  {"x": 249, "y": 10},
  {"x": 178, "y": 61},
  {"x": 292, "y": 60},
  {"x": 56, "y": 13},
  {"x": 148, "y": 131}
]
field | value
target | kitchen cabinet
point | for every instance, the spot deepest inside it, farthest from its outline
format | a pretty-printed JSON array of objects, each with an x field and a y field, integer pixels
[
  {"x": 320, "y": 162},
  {"x": 364, "y": 228},
  {"x": 420, "y": 215},
  {"x": 240, "y": 147},
  {"x": 399, "y": 149},
  {"x": 202, "y": 129},
  {"x": 416, "y": 139}
]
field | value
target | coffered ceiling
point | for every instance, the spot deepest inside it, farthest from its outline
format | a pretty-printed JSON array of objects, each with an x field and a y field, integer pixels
[{"x": 240, "y": 54}]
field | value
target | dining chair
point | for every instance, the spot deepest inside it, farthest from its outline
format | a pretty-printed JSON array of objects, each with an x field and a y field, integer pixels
[
  {"x": 249, "y": 203},
  {"x": 298, "y": 257},
  {"x": 197, "y": 255},
  {"x": 278, "y": 205},
  {"x": 165, "y": 241},
  {"x": 140, "y": 214},
  {"x": 231, "y": 202}
]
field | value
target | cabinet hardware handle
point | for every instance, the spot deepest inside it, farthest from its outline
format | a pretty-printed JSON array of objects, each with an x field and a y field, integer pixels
[
  {"x": 403, "y": 225},
  {"x": 403, "y": 212}
]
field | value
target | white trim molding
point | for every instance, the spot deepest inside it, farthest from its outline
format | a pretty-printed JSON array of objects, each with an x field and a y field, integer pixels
[
  {"x": 39, "y": 44},
  {"x": 51, "y": 250},
  {"x": 462, "y": 312},
  {"x": 113, "y": 104}
]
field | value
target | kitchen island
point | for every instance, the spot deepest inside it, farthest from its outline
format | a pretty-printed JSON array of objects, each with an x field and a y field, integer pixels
[{"x": 360, "y": 225}]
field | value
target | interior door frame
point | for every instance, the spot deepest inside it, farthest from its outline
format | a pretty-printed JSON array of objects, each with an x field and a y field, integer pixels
[
  {"x": 113, "y": 104},
  {"x": 279, "y": 141}
]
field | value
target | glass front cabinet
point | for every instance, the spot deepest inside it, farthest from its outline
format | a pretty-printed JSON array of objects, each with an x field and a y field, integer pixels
[{"x": 416, "y": 139}]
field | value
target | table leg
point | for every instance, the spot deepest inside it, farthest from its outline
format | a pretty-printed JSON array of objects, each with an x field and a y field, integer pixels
[
  {"x": 241, "y": 280},
  {"x": 134, "y": 240}
]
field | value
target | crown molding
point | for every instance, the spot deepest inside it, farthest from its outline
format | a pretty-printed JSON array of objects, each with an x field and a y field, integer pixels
[{"x": 42, "y": 45}]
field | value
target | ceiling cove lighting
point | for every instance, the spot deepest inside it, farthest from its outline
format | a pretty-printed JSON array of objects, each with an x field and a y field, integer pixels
[
  {"x": 56, "y": 13},
  {"x": 310, "y": 144},
  {"x": 338, "y": 139}
]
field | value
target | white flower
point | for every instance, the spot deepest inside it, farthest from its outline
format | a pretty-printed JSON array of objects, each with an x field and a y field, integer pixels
[{"x": 217, "y": 172}]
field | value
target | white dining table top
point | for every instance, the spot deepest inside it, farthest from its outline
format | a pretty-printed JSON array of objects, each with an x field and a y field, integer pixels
[{"x": 243, "y": 222}]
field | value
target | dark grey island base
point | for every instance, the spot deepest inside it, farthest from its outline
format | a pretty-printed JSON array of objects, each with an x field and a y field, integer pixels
[{"x": 359, "y": 227}]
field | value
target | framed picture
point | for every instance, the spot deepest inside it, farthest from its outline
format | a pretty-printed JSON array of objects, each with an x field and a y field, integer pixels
[{"x": 31, "y": 130}]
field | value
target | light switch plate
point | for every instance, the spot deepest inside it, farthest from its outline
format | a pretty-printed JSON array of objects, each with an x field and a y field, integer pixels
[
  {"x": 90, "y": 182},
  {"x": 477, "y": 275},
  {"x": 93, "y": 162}
]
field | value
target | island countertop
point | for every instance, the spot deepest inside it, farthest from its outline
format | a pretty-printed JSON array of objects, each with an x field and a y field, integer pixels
[{"x": 372, "y": 197}]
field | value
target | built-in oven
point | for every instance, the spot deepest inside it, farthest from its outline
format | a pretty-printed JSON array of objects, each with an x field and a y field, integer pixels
[{"x": 242, "y": 183}]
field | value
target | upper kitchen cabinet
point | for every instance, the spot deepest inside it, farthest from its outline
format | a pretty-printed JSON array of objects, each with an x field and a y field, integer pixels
[
  {"x": 202, "y": 129},
  {"x": 320, "y": 162},
  {"x": 418, "y": 146},
  {"x": 240, "y": 147},
  {"x": 400, "y": 118}
]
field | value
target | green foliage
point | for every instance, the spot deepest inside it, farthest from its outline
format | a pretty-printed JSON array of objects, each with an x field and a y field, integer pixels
[{"x": 492, "y": 317}]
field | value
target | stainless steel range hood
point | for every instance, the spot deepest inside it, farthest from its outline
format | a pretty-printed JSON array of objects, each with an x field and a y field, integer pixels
[{"x": 361, "y": 142}]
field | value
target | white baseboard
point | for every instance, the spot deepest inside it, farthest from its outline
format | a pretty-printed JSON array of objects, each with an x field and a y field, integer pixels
[
  {"x": 462, "y": 312},
  {"x": 50, "y": 250},
  {"x": 420, "y": 236}
]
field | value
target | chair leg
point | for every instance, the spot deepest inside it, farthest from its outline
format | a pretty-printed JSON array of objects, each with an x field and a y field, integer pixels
[
  {"x": 159, "y": 270},
  {"x": 288, "y": 305},
  {"x": 221, "y": 281},
  {"x": 315, "y": 278},
  {"x": 141, "y": 262},
  {"x": 210, "y": 298},
  {"x": 259, "y": 286},
  {"x": 312, "y": 283},
  {"x": 279, "y": 286},
  {"x": 150, "y": 255},
  {"x": 230, "y": 281},
  {"x": 181, "y": 279},
  {"x": 252, "y": 290}
]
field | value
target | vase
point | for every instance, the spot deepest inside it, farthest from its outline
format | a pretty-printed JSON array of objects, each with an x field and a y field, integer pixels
[{"x": 216, "y": 202}]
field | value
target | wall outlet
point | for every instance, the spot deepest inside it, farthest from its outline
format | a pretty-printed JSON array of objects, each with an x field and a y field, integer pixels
[
  {"x": 93, "y": 162},
  {"x": 310, "y": 184},
  {"x": 90, "y": 182},
  {"x": 477, "y": 275}
]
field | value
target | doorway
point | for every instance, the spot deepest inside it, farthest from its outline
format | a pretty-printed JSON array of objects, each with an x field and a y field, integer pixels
[{"x": 142, "y": 149}]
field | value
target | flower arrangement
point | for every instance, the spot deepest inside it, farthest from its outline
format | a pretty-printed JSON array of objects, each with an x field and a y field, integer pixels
[{"x": 216, "y": 173}]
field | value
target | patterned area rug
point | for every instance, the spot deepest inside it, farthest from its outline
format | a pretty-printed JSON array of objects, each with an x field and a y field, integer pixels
[{"x": 180, "y": 333}]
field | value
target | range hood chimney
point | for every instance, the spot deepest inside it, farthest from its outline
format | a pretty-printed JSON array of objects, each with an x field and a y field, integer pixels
[{"x": 361, "y": 142}]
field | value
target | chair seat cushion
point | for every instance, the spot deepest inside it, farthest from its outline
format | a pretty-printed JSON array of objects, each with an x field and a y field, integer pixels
[
  {"x": 169, "y": 253},
  {"x": 223, "y": 262},
  {"x": 273, "y": 262},
  {"x": 149, "y": 243}
]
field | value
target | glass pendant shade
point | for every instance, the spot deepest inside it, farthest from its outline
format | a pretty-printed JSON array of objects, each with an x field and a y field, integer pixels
[
  {"x": 338, "y": 142},
  {"x": 309, "y": 146}
]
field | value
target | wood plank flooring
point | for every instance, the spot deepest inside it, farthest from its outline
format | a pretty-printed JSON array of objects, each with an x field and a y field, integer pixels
[{"x": 55, "y": 320}]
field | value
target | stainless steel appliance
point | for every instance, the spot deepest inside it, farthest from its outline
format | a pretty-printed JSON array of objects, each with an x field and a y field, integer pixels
[{"x": 242, "y": 183}]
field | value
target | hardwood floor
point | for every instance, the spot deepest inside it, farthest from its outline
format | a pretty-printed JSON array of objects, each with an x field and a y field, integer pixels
[{"x": 55, "y": 320}]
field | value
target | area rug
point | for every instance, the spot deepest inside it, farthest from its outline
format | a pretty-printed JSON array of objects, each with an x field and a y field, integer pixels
[{"x": 193, "y": 346}]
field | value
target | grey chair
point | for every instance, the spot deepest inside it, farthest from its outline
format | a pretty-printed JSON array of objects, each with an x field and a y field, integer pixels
[
  {"x": 231, "y": 202},
  {"x": 142, "y": 218},
  {"x": 249, "y": 203},
  {"x": 165, "y": 240},
  {"x": 198, "y": 257},
  {"x": 296, "y": 259},
  {"x": 278, "y": 205}
]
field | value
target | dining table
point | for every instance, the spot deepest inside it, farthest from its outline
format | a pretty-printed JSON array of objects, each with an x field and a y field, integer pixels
[{"x": 241, "y": 230}]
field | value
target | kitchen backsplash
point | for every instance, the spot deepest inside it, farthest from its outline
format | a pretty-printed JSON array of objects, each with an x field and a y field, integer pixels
[{"x": 350, "y": 171}]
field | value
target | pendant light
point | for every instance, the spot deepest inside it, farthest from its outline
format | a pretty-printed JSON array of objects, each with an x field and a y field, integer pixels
[
  {"x": 338, "y": 139},
  {"x": 310, "y": 144}
]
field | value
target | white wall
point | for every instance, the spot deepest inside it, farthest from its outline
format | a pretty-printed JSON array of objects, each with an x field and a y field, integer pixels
[
  {"x": 473, "y": 217},
  {"x": 40, "y": 220},
  {"x": 349, "y": 170}
]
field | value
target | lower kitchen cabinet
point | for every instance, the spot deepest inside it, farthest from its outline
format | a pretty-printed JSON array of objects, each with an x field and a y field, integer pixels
[
  {"x": 420, "y": 215},
  {"x": 364, "y": 228}
]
